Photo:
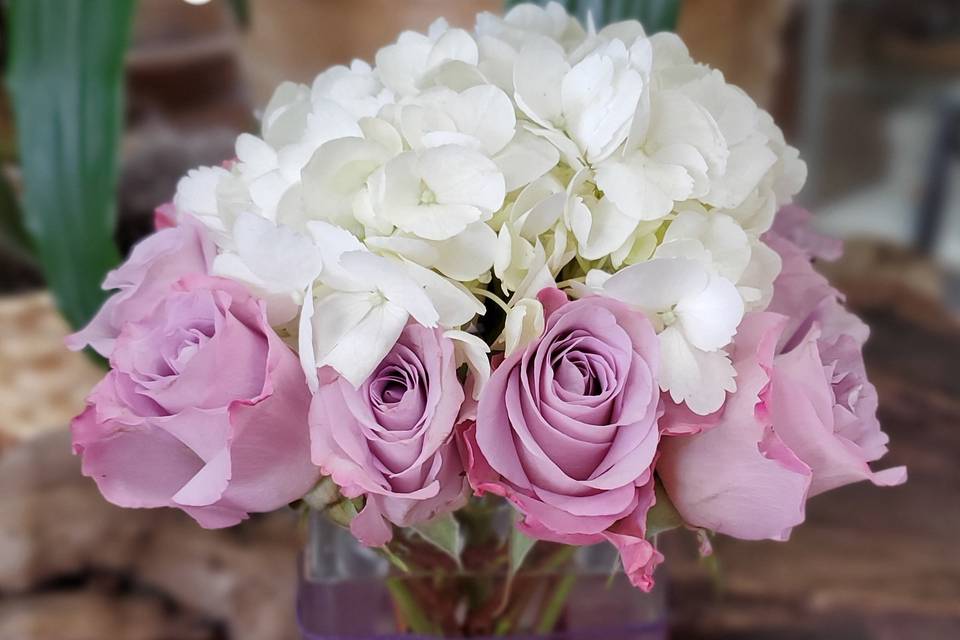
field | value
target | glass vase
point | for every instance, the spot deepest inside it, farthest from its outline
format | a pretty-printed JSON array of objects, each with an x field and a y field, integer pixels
[{"x": 348, "y": 591}]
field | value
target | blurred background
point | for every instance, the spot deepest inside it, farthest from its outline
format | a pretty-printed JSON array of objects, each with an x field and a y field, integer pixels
[{"x": 869, "y": 90}]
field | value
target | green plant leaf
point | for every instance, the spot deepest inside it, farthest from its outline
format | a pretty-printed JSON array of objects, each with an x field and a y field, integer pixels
[
  {"x": 555, "y": 604},
  {"x": 410, "y": 610},
  {"x": 324, "y": 494},
  {"x": 520, "y": 546},
  {"x": 444, "y": 533},
  {"x": 241, "y": 11},
  {"x": 663, "y": 516},
  {"x": 342, "y": 512},
  {"x": 394, "y": 559},
  {"x": 11, "y": 220},
  {"x": 655, "y": 15},
  {"x": 66, "y": 86}
]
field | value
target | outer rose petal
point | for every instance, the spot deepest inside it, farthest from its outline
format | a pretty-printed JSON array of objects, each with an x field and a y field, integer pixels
[
  {"x": 273, "y": 422},
  {"x": 640, "y": 558},
  {"x": 154, "y": 265},
  {"x": 678, "y": 420},
  {"x": 805, "y": 296},
  {"x": 738, "y": 478},
  {"x": 134, "y": 466},
  {"x": 794, "y": 224},
  {"x": 165, "y": 216},
  {"x": 802, "y": 413},
  {"x": 369, "y": 526}
]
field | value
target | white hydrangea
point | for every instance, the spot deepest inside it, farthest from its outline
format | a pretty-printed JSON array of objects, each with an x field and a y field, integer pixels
[{"x": 489, "y": 164}]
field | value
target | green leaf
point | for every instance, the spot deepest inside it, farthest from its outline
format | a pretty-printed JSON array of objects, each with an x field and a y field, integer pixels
[
  {"x": 394, "y": 559},
  {"x": 712, "y": 565},
  {"x": 343, "y": 512},
  {"x": 444, "y": 533},
  {"x": 520, "y": 547},
  {"x": 66, "y": 85},
  {"x": 324, "y": 494},
  {"x": 655, "y": 15},
  {"x": 556, "y": 603},
  {"x": 410, "y": 610},
  {"x": 663, "y": 516},
  {"x": 241, "y": 11},
  {"x": 11, "y": 221}
]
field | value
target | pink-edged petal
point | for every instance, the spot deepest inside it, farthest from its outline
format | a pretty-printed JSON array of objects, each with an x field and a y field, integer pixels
[
  {"x": 369, "y": 526},
  {"x": 208, "y": 485}
]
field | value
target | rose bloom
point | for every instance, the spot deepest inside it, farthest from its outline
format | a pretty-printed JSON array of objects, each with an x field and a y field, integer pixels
[
  {"x": 803, "y": 419},
  {"x": 391, "y": 439},
  {"x": 205, "y": 410},
  {"x": 154, "y": 264},
  {"x": 567, "y": 429},
  {"x": 823, "y": 380}
]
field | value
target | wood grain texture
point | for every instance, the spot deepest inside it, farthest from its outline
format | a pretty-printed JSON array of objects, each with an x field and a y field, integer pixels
[
  {"x": 42, "y": 385},
  {"x": 65, "y": 551}
]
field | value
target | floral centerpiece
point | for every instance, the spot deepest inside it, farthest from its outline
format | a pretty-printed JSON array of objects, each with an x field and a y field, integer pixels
[{"x": 536, "y": 264}]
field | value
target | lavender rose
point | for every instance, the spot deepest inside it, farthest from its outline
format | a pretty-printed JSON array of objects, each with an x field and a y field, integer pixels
[
  {"x": 391, "y": 439},
  {"x": 205, "y": 410},
  {"x": 567, "y": 429},
  {"x": 154, "y": 264}
]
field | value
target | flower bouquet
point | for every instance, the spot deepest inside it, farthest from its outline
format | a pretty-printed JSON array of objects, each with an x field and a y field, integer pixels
[{"x": 534, "y": 265}]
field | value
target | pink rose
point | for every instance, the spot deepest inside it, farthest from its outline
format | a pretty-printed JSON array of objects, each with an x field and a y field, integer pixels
[
  {"x": 738, "y": 477},
  {"x": 793, "y": 223},
  {"x": 155, "y": 263},
  {"x": 824, "y": 409},
  {"x": 823, "y": 380},
  {"x": 803, "y": 419},
  {"x": 165, "y": 216},
  {"x": 567, "y": 429},
  {"x": 806, "y": 298},
  {"x": 205, "y": 410},
  {"x": 391, "y": 439}
]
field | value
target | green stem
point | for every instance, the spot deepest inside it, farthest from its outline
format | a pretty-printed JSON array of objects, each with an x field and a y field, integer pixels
[
  {"x": 555, "y": 604},
  {"x": 553, "y": 564},
  {"x": 410, "y": 611}
]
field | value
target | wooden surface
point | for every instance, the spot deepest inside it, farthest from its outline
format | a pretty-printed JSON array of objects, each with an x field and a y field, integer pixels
[
  {"x": 869, "y": 563},
  {"x": 42, "y": 385},
  {"x": 74, "y": 567}
]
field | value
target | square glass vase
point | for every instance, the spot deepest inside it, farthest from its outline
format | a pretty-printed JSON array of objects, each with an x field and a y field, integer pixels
[{"x": 351, "y": 592}]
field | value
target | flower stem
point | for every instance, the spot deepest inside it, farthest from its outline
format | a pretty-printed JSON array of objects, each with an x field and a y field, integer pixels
[
  {"x": 409, "y": 610},
  {"x": 555, "y": 604}
]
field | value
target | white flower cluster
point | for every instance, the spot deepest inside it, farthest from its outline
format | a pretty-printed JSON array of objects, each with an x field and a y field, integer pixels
[{"x": 491, "y": 164}]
